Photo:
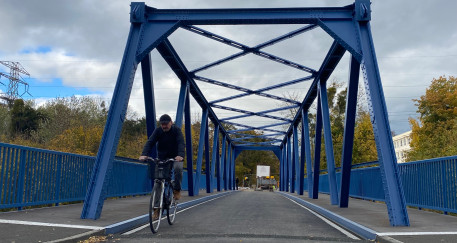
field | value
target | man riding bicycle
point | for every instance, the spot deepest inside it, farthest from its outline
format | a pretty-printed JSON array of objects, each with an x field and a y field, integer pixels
[{"x": 170, "y": 144}]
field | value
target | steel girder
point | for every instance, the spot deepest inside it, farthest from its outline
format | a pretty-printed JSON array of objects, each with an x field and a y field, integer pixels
[{"x": 350, "y": 29}]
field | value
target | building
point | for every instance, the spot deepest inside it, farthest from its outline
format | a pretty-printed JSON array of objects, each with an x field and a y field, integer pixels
[{"x": 401, "y": 145}]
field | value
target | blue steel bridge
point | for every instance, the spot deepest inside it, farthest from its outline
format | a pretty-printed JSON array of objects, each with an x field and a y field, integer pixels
[{"x": 31, "y": 177}]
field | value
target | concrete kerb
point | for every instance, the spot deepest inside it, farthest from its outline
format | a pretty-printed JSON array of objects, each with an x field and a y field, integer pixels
[
  {"x": 79, "y": 237},
  {"x": 361, "y": 230},
  {"x": 141, "y": 220}
]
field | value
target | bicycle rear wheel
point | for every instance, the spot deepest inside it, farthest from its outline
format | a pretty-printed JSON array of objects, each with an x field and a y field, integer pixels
[
  {"x": 156, "y": 193},
  {"x": 171, "y": 211}
]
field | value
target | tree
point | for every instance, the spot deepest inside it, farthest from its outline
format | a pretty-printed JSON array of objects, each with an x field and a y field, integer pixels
[
  {"x": 5, "y": 121},
  {"x": 24, "y": 118},
  {"x": 434, "y": 134}
]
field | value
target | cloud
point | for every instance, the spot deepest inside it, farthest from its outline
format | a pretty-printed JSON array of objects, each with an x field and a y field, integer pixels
[{"x": 82, "y": 44}]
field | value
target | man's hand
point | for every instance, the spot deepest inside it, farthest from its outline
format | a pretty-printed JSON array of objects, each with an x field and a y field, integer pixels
[
  {"x": 143, "y": 158},
  {"x": 179, "y": 158}
]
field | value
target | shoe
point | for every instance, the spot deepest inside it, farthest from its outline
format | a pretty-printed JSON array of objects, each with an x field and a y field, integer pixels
[
  {"x": 155, "y": 216},
  {"x": 177, "y": 195}
]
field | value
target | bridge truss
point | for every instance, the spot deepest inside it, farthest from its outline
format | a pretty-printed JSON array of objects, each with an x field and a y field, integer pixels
[{"x": 348, "y": 26}]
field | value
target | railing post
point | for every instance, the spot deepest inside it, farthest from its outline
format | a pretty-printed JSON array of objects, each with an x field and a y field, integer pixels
[
  {"x": 201, "y": 146},
  {"x": 317, "y": 149},
  {"x": 213, "y": 172},
  {"x": 444, "y": 184},
  {"x": 330, "y": 157},
  {"x": 289, "y": 163},
  {"x": 207, "y": 161},
  {"x": 296, "y": 168},
  {"x": 57, "y": 182},
  {"x": 188, "y": 131},
  {"x": 21, "y": 179}
]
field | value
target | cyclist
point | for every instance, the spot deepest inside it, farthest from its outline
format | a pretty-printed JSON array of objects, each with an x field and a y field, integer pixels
[{"x": 170, "y": 144}]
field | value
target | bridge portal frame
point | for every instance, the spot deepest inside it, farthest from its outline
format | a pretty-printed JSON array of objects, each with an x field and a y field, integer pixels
[{"x": 349, "y": 26}]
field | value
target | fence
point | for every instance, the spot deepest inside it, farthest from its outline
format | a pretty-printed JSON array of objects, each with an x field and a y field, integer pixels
[
  {"x": 30, "y": 176},
  {"x": 430, "y": 184}
]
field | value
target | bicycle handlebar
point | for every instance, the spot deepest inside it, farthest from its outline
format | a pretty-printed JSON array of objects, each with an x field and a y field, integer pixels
[{"x": 157, "y": 160}]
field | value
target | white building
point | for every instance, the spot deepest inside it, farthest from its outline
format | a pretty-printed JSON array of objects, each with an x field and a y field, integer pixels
[{"x": 401, "y": 145}]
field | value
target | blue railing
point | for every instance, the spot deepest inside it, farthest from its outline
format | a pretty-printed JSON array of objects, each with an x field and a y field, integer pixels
[
  {"x": 430, "y": 184},
  {"x": 31, "y": 176}
]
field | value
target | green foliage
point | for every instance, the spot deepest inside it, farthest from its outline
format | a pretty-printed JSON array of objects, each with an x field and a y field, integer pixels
[
  {"x": 24, "y": 118},
  {"x": 435, "y": 133},
  {"x": 5, "y": 121}
]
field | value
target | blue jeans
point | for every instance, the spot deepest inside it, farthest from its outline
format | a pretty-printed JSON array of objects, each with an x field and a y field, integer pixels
[{"x": 178, "y": 168}]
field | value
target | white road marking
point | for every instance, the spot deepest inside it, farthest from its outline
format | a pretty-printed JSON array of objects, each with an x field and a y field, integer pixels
[
  {"x": 5, "y": 221},
  {"x": 347, "y": 233},
  {"x": 416, "y": 233},
  {"x": 180, "y": 211}
]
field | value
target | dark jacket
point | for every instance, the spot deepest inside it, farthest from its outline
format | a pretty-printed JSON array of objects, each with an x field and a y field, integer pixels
[{"x": 169, "y": 144}]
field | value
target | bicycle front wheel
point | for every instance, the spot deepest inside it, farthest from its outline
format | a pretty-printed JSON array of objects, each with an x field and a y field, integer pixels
[
  {"x": 171, "y": 211},
  {"x": 156, "y": 199}
]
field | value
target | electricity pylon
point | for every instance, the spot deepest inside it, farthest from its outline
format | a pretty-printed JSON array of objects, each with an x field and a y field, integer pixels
[{"x": 15, "y": 79}]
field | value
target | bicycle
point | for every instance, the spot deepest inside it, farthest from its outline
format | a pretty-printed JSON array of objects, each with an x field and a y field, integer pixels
[{"x": 162, "y": 193}]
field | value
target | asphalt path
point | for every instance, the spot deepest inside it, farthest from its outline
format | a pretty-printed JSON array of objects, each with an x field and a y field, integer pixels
[{"x": 246, "y": 216}]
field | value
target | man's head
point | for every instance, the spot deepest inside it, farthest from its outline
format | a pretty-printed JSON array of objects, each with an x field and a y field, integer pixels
[{"x": 165, "y": 122}]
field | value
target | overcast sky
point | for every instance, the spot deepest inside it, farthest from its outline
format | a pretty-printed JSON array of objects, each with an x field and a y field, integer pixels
[{"x": 75, "y": 48}]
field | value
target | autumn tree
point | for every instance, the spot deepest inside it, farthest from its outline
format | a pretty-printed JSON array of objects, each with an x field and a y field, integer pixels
[{"x": 434, "y": 134}]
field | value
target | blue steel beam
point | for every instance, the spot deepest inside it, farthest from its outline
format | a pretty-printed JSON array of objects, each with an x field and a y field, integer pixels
[
  {"x": 297, "y": 171},
  {"x": 181, "y": 102},
  {"x": 262, "y": 112},
  {"x": 295, "y": 167},
  {"x": 189, "y": 150},
  {"x": 207, "y": 161},
  {"x": 255, "y": 143},
  {"x": 214, "y": 155},
  {"x": 250, "y": 113},
  {"x": 249, "y": 128},
  {"x": 149, "y": 100},
  {"x": 254, "y": 50},
  {"x": 330, "y": 157},
  {"x": 283, "y": 170},
  {"x": 295, "y": 81},
  {"x": 393, "y": 189},
  {"x": 238, "y": 88},
  {"x": 259, "y": 148},
  {"x": 267, "y": 139},
  {"x": 228, "y": 166},
  {"x": 201, "y": 146},
  {"x": 306, "y": 153},
  {"x": 289, "y": 163},
  {"x": 249, "y": 16},
  {"x": 218, "y": 168},
  {"x": 317, "y": 149},
  {"x": 224, "y": 160},
  {"x": 348, "y": 137},
  {"x": 266, "y": 136},
  {"x": 248, "y": 136}
]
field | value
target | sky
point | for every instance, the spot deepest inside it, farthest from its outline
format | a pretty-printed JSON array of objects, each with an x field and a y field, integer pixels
[{"x": 76, "y": 47}]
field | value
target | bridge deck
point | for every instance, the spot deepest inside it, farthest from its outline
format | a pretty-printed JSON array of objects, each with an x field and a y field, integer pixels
[{"x": 252, "y": 215}]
